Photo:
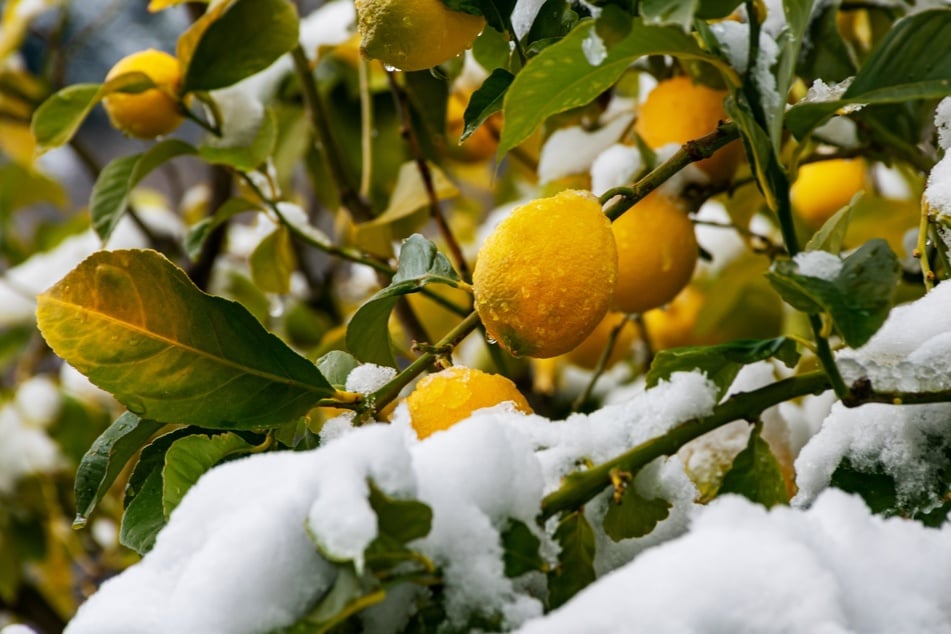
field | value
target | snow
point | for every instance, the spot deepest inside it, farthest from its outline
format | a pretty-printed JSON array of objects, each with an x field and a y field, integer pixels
[
  {"x": 572, "y": 150},
  {"x": 369, "y": 377},
  {"x": 523, "y": 15},
  {"x": 833, "y": 568},
  {"x": 26, "y": 448},
  {"x": 616, "y": 166},
  {"x": 819, "y": 264},
  {"x": 942, "y": 121}
]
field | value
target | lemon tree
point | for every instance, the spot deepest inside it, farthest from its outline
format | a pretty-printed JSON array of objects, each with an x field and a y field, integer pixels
[{"x": 339, "y": 231}]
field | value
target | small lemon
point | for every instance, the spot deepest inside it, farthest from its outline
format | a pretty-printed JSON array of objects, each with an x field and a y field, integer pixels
[
  {"x": 414, "y": 34},
  {"x": 674, "y": 325},
  {"x": 546, "y": 276},
  {"x": 443, "y": 399},
  {"x": 151, "y": 113},
  {"x": 678, "y": 110},
  {"x": 588, "y": 352},
  {"x": 657, "y": 252},
  {"x": 823, "y": 188}
]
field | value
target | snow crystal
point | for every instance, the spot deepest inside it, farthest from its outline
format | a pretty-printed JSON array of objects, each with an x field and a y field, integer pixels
[
  {"x": 369, "y": 378},
  {"x": 819, "y": 264},
  {"x": 834, "y": 568},
  {"x": 820, "y": 91},
  {"x": 911, "y": 351},
  {"x": 616, "y": 166},
  {"x": 523, "y": 15},
  {"x": 734, "y": 40},
  {"x": 907, "y": 442},
  {"x": 572, "y": 150},
  {"x": 938, "y": 187}
]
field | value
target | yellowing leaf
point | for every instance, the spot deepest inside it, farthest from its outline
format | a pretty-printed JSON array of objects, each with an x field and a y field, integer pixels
[
  {"x": 135, "y": 324},
  {"x": 410, "y": 192},
  {"x": 160, "y": 5}
]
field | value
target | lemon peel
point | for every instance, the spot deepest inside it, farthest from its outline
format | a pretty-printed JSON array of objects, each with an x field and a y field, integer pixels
[{"x": 154, "y": 112}]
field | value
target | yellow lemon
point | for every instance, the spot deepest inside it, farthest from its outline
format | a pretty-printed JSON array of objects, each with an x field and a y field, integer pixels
[
  {"x": 443, "y": 399},
  {"x": 673, "y": 326},
  {"x": 657, "y": 252},
  {"x": 823, "y": 188},
  {"x": 546, "y": 276},
  {"x": 676, "y": 111},
  {"x": 414, "y": 34},
  {"x": 588, "y": 352},
  {"x": 151, "y": 113}
]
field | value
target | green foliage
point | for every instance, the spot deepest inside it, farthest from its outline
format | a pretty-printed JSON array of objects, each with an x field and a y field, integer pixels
[
  {"x": 755, "y": 473},
  {"x": 633, "y": 515},
  {"x": 859, "y": 298},
  {"x": 521, "y": 550},
  {"x": 575, "y": 568},
  {"x": 178, "y": 355}
]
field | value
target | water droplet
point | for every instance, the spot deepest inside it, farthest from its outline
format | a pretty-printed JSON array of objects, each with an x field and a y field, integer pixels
[
  {"x": 135, "y": 406},
  {"x": 489, "y": 340},
  {"x": 79, "y": 522},
  {"x": 390, "y": 68}
]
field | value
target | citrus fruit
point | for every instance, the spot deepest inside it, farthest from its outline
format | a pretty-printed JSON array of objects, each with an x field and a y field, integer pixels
[
  {"x": 673, "y": 326},
  {"x": 823, "y": 188},
  {"x": 414, "y": 34},
  {"x": 588, "y": 352},
  {"x": 546, "y": 276},
  {"x": 151, "y": 113},
  {"x": 678, "y": 110},
  {"x": 443, "y": 399},
  {"x": 657, "y": 252}
]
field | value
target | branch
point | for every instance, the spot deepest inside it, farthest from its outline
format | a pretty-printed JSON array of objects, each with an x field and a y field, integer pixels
[
  {"x": 579, "y": 488},
  {"x": 690, "y": 152},
  {"x": 349, "y": 196}
]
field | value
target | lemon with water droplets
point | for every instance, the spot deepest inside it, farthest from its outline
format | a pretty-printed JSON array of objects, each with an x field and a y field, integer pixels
[
  {"x": 546, "y": 276},
  {"x": 414, "y": 34}
]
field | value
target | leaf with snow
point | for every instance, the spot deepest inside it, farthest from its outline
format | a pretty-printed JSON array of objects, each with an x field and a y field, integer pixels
[
  {"x": 398, "y": 523},
  {"x": 912, "y": 62},
  {"x": 755, "y": 473},
  {"x": 575, "y": 569},
  {"x": 561, "y": 77},
  {"x": 858, "y": 299},
  {"x": 722, "y": 362},
  {"x": 368, "y": 337},
  {"x": 188, "y": 458},
  {"x": 336, "y": 366}
]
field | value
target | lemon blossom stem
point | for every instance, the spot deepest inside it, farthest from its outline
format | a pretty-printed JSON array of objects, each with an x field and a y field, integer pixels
[
  {"x": 581, "y": 487},
  {"x": 689, "y": 152}
]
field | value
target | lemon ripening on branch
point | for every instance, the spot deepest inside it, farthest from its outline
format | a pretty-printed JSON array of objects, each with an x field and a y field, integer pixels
[
  {"x": 414, "y": 34},
  {"x": 151, "y": 113},
  {"x": 678, "y": 110},
  {"x": 546, "y": 276},
  {"x": 657, "y": 253},
  {"x": 443, "y": 399},
  {"x": 823, "y": 188}
]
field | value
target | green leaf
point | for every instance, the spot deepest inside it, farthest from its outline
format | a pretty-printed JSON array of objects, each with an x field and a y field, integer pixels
[
  {"x": 199, "y": 233},
  {"x": 273, "y": 261},
  {"x": 721, "y": 362},
  {"x": 831, "y": 62},
  {"x": 498, "y": 13},
  {"x": 410, "y": 193},
  {"x": 634, "y": 515},
  {"x": 676, "y": 12},
  {"x": 575, "y": 569},
  {"x": 520, "y": 549},
  {"x": 243, "y": 154},
  {"x": 110, "y": 194},
  {"x": 486, "y": 100},
  {"x": 190, "y": 457},
  {"x": 403, "y": 520},
  {"x": 831, "y": 235},
  {"x": 106, "y": 458},
  {"x": 554, "y": 20},
  {"x": 235, "y": 40},
  {"x": 561, "y": 77},
  {"x": 368, "y": 336},
  {"x": 755, "y": 473},
  {"x": 877, "y": 488},
  {"x": 58, "y": 118},
  {"x": 135, "y": 324},
  {"x": 144, "y": 516},
  {"x": 21, "y": 187},
  {"x": 770, "y": 176},
  {"x": 336, "y": 366},
  {"x": 858, "y": 300},
  {"x": 912, "y": 62},
  {"x": 798, "y": 14},
  {"x": 716, "y": 9}
]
